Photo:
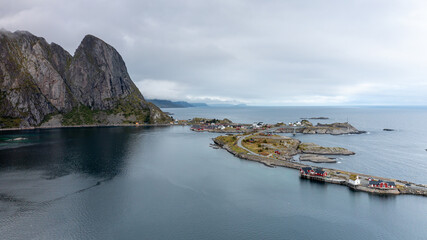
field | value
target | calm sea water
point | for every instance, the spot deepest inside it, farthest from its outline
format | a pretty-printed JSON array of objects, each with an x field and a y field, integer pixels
[
  {"x": 167, "y": 183},
  {"x": 400, "y": 154}
]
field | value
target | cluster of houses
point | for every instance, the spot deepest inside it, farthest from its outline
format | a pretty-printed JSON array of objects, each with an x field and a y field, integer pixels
[
  {"x": 303, "y": 123},
  {"x": 260, "y": 125},
  {"x": 309, "y": 171},
  {"x": 256, "y": 125},
  {"x": 296, "y": 124},
  {"x": 381, "y": 184},
  {"x": 353, "y": 179},
  {"x": 221, "y": 126},
  {"x": 213, "y": 126}
]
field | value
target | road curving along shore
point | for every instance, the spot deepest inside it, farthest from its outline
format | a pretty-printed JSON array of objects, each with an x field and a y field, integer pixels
[{"x": 334, "y": 176}]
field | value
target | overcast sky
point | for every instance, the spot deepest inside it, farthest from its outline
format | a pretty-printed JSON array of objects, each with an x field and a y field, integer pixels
[{"x": 324, "y": 52}]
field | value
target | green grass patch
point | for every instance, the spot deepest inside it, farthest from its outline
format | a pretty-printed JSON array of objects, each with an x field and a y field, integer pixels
[
  {"x": 7, "y": 122},
  {"x": 131, "y": 105},
  {"x": 81, "y": 115},
  {"x": 237, "y": 149},
  {"x": 231, "y": 141},
  {"x": 47, "y": 118},
  {"x": 227, "y": 140}
]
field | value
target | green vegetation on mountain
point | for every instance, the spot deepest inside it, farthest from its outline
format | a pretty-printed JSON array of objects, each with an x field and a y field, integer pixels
[{"x": 40, "y": 80}]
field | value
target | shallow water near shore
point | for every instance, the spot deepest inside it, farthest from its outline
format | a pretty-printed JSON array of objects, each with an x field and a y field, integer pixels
[{"x": 167, "y": 183}]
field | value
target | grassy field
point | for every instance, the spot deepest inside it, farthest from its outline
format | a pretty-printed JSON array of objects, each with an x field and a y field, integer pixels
[
  {"x": 266, "y": 145},
  {"x": 231, "y": 141}
]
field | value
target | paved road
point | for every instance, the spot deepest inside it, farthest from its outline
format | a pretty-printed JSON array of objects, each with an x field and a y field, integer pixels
[
  {"x": 363, "y": 181},
  {"x": 239, "y": 142}
]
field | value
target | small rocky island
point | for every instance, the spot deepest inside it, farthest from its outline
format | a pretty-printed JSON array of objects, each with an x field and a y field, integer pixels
[
  {"x": 388, "y": 130},
  {"x": 307, "y": 127},
  {"x": 317, "y": 118}
]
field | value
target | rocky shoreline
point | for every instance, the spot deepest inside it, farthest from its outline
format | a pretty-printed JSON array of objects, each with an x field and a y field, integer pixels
[
  {"x": 403, "y": 188},
  {"x": 331, "y": 128},
  {"x": 88, "y": 126}
]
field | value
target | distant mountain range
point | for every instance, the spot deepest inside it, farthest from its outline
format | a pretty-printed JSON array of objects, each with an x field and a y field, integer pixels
[
  {"x": 161, "y": 103},
  {"x": 178, "y": 104}
]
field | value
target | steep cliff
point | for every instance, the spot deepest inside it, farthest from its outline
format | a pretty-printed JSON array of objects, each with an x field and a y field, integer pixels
[{"x": 41, "y": 83}]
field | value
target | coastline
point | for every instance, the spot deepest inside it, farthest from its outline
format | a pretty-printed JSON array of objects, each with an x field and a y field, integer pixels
[
  {"x": 90, "y": 126},
  {"x": 271, "y": 162},
  {"x": 267, "y": 161}
]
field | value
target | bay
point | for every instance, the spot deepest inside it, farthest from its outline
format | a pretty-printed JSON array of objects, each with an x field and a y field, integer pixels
[{"x": 167, "y": 183}]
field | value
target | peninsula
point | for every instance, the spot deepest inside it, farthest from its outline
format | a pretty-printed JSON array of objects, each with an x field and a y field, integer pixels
[{"x": 262, "y": 145}]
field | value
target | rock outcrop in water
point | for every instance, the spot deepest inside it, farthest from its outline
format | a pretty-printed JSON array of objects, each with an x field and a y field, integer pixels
[
  {"x": 316, "y": 158},
  {"x": 41, "y": 83},
  {"x": 332, "y": 128},
  {"x": 312, "y": 148}
]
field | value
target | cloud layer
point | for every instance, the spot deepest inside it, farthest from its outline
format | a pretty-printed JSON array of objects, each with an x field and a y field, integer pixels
[{"x": 327, "y": 52}]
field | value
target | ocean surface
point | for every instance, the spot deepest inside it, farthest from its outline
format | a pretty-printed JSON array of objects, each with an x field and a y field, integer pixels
[
  {"x": 167, "y": 183},
  {"x": 400, "y": 154}
]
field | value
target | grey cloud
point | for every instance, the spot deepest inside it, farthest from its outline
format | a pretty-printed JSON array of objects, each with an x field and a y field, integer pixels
[{"x": 259, "y": 52}]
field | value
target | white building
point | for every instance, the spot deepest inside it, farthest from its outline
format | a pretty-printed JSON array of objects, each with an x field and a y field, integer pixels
[{"x": 354, "y": 180}]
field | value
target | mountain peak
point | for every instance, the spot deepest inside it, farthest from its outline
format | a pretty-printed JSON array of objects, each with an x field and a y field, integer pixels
[
  {"x": 90, "y": 39},
  {"x": 41, "y": 80}
]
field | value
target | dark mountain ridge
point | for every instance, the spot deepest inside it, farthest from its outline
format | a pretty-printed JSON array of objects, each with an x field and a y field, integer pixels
[{"x": 41, "y": 83}]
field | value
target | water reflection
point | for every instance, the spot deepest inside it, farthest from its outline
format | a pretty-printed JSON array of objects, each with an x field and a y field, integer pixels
[
  {"x": 60, "y": 152},
  {"x": 193, "y": 191},
  {"x": 312, "y": 183}
]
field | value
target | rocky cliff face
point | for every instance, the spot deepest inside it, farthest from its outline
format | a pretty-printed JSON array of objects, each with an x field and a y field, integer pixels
[
  {"x": 99, "y": 68},
  {"x": 41, "y": 81}
]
